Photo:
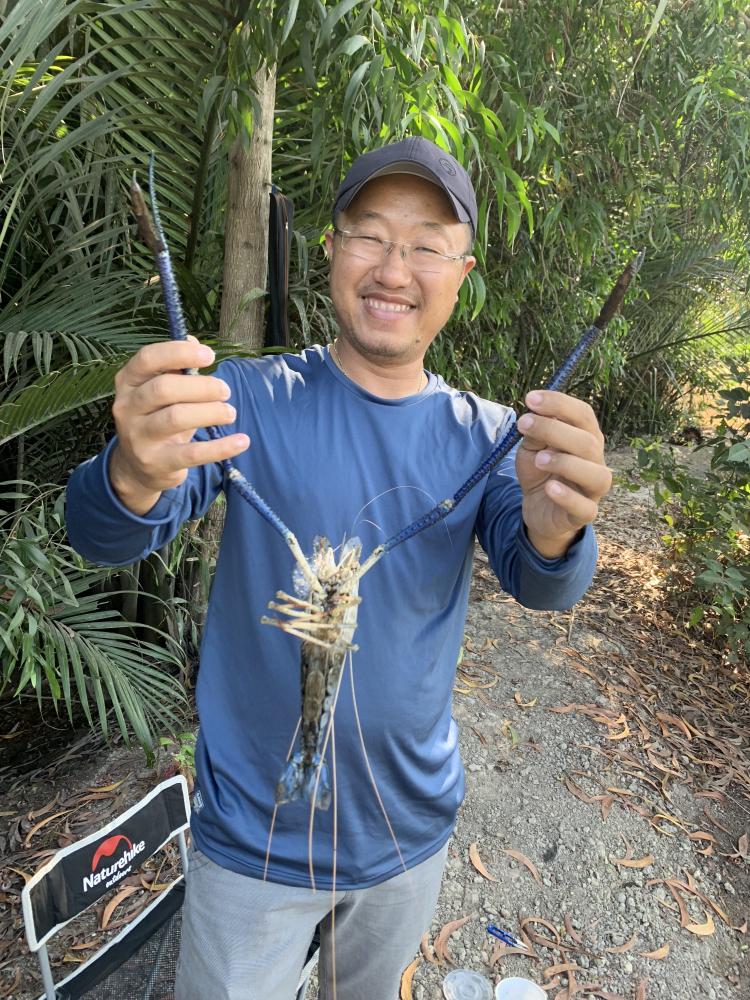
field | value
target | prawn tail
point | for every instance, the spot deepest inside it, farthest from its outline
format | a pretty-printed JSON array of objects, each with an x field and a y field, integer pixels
[
  {"x": 292, "y": 780},
  {"x": 317, "y": 784}
]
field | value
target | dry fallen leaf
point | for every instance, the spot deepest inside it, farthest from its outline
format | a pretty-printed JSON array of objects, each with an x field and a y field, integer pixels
[
  {"x": 478, "y": 864},
  {"x": 521, "y": 703},
  {"x": 621, "y": 736},
  {"x": 673, "y": 720},
  {"x": 607, "y": 803},
  {"x": 742, "y": 929},
  {"x": 111, "y": 788},
  {"x": 43, "y": 822},
  {"x": 712, "y": 795},
  {"x": 658, "y": 954},
  {"x": 551, "y": 985},
  {"x": 112, "y": 905},
  {"x": 623, "y": 947},
  {"x": 553, "y": 970},
  {"x": 406, "y": 979},
  {"x": 482, "y": 740},
  {"x": 641, "y": 994},
  {"x": 525, "y": 861},
  {"x": 634, "y": 862},
  {"x": 569, "y": 928},
  {"x": 684, "y": 915},
  {"x": 715, "y": 821},
  {"x": 36, "y": 813},
  {"x": 703, "y": 930},
  {"x": 579, "y": 793},
  {"x": 742, "y": 847},
  {"x": 425, "y": 948},
  {"x": 13, "y": 986},
  {"x": 19, "y": 872},
  {"x": 714, "y": 906},
  {"x": 441, "y": 940}
]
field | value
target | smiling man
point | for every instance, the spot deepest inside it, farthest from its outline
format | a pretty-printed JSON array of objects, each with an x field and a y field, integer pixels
[{"x": 351, "y": 439}]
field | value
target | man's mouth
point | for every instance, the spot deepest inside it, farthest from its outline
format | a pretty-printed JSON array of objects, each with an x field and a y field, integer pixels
[{"x": 384, "y": 306}]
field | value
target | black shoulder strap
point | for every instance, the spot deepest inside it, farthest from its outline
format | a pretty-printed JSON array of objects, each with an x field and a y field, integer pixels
[{"x": 280, "y": 221}]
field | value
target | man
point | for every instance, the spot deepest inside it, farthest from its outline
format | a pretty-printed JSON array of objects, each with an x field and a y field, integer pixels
[{"x": 355, "y": 439}]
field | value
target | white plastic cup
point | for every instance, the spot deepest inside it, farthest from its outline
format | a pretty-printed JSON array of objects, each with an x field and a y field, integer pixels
[{"x": 519, "y": 989}]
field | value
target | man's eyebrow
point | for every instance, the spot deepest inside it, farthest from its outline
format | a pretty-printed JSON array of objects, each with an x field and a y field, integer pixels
[
  {"x": 371, "y": 215},
  {"x": 437, "y": 226}
]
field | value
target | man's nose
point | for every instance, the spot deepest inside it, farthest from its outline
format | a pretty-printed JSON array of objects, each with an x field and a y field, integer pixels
[{"x": 392, "y": 270}]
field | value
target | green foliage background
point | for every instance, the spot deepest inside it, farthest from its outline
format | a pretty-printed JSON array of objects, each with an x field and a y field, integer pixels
[{"x": 590, "y": 130}]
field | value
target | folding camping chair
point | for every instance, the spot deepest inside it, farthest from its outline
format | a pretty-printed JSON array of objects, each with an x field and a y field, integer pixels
[{"x": 141, "y": 961}]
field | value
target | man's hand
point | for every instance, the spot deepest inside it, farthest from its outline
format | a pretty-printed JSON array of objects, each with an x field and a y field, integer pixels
[
  {"x": 560, "y": 466},
  {"x": 157, "y": 411}
]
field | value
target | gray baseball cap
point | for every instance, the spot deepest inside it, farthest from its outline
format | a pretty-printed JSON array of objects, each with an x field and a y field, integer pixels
[{"x": 419, "y": 156}]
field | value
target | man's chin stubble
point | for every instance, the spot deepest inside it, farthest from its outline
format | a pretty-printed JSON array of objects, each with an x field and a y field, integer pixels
[{"x": 383, "y": 349}]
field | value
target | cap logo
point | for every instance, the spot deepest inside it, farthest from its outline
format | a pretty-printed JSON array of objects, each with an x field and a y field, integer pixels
[{"x": 447, "y": 166}]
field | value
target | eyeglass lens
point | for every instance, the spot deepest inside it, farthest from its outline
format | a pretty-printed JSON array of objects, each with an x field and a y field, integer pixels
[{"x": 420, "y": 257}]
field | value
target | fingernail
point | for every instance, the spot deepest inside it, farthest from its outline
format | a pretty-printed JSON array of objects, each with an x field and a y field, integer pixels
[
  {"x": 226, "y": 392},
  {"x": 535, "y": 399},
  {"x": 231, "y": 413},
  {"x": 555, "y": 488},
  {"x": 525, "y": 422},
  {"x": 205, "y": 355},
  {"x": 242, "y": 440},
  {"x": 543, "y": 458}
]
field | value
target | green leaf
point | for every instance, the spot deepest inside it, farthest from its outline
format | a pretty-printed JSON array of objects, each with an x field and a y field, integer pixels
[
  {"x": 349, "y": 46},
  {"x": 56, "y": 394},
  {"x": 352, "y": 89},
  {"x": 696, "y": 616},
  {"x": 480, "y": 291},
  {"x": 331, "y": 20}
]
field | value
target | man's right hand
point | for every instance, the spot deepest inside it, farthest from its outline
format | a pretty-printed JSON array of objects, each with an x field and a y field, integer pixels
[{"x": 157, "y": 411}]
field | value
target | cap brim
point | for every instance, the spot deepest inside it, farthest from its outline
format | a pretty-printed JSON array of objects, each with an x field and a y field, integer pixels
[{"x": 408, "y": 167}]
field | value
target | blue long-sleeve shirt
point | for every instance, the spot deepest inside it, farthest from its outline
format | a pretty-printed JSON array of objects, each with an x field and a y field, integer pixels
[{"x": 335, "y": 460}]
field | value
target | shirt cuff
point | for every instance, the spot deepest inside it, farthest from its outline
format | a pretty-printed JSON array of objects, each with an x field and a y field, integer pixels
[
  {"x": 160, "y": 513},
  {"x": 556, "y": 584}
]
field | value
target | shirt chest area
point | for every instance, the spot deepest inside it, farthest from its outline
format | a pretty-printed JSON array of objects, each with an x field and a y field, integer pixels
[{"x": 335, "y": 467}]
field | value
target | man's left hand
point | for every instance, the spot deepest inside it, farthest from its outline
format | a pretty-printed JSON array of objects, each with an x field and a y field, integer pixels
[{"x": 561, "y": 469}]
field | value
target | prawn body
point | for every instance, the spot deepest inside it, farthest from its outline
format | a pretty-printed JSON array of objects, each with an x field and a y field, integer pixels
[{"x": 325, "y": 623}]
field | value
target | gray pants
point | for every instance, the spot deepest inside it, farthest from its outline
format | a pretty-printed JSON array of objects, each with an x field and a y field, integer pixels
[{"x": 246, "y": 940}]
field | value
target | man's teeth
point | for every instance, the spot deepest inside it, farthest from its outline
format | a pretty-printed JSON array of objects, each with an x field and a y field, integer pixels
[{"x": 387, "y": 306}]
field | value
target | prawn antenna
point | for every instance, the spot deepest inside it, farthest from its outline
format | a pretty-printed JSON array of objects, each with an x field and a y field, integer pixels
[
  {"x": 152, "y": 234},
  {"x": 512, "y": 436}
]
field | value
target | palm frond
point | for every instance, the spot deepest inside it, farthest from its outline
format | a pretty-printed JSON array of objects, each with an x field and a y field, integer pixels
[{"x": 56, "y": 394}]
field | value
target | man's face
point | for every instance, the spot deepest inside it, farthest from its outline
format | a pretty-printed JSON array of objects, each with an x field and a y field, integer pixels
[{"x": 386, "y": 310}]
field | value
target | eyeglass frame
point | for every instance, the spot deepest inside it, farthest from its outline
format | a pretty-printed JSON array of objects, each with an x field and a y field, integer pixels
[{"x": 398, "y": 243}]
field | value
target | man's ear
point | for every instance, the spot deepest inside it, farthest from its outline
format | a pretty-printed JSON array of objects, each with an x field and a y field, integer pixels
[
  {"x": 468, "y": 265},
  {"x": 328, "y": 249}
]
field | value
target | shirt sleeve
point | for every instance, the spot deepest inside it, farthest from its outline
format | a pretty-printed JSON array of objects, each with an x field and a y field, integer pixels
[
  {"x": 537, "y": 583},
  {"x": 104, "y": 531}
]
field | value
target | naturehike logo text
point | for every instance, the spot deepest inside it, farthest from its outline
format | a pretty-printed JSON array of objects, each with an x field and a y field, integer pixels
[{"x": 118, "y": 869}]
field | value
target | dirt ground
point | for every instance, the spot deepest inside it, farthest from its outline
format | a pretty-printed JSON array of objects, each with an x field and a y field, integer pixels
[{"x": 607, "y": 747}]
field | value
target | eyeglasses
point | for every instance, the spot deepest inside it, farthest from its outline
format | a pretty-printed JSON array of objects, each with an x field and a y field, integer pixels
[{"x": 368, "y": 246}]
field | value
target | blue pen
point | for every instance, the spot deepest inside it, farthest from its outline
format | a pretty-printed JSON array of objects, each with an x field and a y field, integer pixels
[{"x": 505, "y": 937}]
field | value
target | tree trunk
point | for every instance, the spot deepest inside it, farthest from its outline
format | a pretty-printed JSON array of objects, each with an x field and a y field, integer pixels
[{"x": 246, "y": 239}]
